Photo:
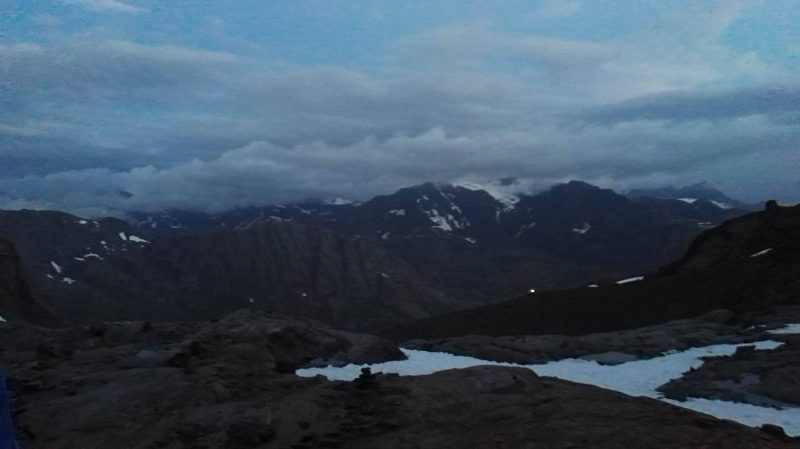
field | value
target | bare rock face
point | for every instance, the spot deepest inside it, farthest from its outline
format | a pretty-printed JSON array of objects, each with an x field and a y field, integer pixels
[{"x": 16, "y": 302}]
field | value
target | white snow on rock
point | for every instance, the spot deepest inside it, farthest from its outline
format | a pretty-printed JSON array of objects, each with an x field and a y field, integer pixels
[
  {"x": 593, "y": 286},
  {"x": 123, "y": 236},
  {"x": 505, "y": 195},
  {"x": 83, "y": 222},
  {"x": 88, "y": 255},
  {"x": 687, "y": 200},
  {"x": 792, "y": 328},
  {"x": 338, "y": 201},
  {"x": 68, "y": 281},
  {"x": 2, "y": 319},
  {"x": 761, "y": 253},
  {"x": 721, "y": 205},
  {"x": 398, "y": 212},
  {"x": 136, "y": 239},
  {"x": 471, "y": 240},
  {"x": 56, "y": 266},
  {"x": 629, "y": 280},
  {"x": 79, "y": 259},
  {"x": 524, "y": 228},
  {"x": 446, "y": 222},
  {"x": 385, "y": 235},
  {"x": 635, "y": 378},
  {"x": 583, "y": 229}
]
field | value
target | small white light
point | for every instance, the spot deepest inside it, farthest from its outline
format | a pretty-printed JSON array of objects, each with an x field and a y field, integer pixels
[{"x": 533, "y": 290}]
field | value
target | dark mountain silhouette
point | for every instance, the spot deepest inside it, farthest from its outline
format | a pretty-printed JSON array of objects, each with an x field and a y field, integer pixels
[{"x": 746, "y": 264}]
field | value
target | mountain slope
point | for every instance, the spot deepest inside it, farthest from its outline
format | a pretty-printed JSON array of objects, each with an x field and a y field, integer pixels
[
  {"x": 747, "y": 263},
  {"x": 88, "y": 270}
]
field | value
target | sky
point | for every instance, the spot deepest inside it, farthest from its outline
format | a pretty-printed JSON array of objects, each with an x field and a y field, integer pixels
[{"x": 115, "y": 105}]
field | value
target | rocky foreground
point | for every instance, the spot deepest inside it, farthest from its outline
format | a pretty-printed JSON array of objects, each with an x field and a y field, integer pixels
[{"x": 230, "y": 384}]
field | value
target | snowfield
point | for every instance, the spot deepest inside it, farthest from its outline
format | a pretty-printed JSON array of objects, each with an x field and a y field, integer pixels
[{"x": 636, "y": 378}]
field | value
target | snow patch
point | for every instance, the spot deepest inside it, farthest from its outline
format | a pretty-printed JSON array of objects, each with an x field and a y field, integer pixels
[
  {"x": 471, "y": 240},
  {"x": 761, "y": 253},
  {"x": 629, "y": 280},
  {"x": 398, "y": 212},
  {"x": 721, "y": 205},
  {"x": 83, "y": 222},
  {"x": 338, "y": 201},
  {"x": 793, "y": 328},
  {"x": 136, "y": 239},
  {"x": 445, "y": 222},
  {"x": 68, "y": 281},
  {"x": 385, "y": 235},
  {"x": 635, "y": 378},
  {"x": 56, "y": 267},
  {"x": 687, "y": 200},
  {"x": 505, "y": 195},
  {"x": 583, "y": 229},
  {"x": 523, "y": 229},
  {"x": 592, "y": 285},
  {"x": 2, "y": 319},
  {"x": 123, "y": 236}
]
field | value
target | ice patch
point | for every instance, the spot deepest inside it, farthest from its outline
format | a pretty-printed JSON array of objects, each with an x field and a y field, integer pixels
[
  {"x": 635, "y": 378},
  {"x": 56, "y": 266},
  {"x": 629, "y": 280},
  {"x": 761, "y": 253},
  {"x": 583, "y": 229}
]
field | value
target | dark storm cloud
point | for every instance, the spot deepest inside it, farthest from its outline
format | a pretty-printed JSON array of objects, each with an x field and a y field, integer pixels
[
  {"x": 778, "y": 102},
  {"x": 81, "y": 120}
]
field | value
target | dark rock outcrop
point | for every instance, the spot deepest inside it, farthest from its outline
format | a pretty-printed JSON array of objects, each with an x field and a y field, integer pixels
[
  {"x": 124, "y": 388},
  {"x": 16, "y": 302}
]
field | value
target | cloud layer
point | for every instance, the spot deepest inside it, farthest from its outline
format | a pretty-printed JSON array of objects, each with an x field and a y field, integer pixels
[{"x": 211, "y": 127}]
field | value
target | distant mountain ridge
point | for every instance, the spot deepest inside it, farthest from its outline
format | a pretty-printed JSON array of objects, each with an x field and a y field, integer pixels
[{"x": 423, "y": 250}]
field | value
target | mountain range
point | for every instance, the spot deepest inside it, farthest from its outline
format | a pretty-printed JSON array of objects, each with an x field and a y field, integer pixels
[{"x": 425, "y": 250}]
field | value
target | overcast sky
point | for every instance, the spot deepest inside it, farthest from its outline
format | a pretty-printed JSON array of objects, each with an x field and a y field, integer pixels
[{"x": 211, "y": 104}]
